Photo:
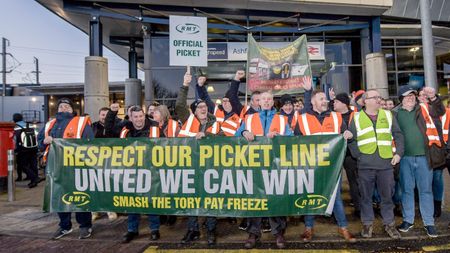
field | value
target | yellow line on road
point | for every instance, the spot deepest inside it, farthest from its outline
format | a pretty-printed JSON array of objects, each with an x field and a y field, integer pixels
[
  {"x": 437, "y": 247},
  {"x": 154, "y": 249}
]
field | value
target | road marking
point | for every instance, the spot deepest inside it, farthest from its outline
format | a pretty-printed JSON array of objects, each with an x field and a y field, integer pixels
[
  {"x": 436, "y": 248},
  {"x": 154, "y": 249}
]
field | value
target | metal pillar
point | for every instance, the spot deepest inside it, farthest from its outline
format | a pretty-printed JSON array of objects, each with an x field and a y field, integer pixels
[
  {"x": 4, "y": 65},
  {"x": 133, "y": 92},
  {"x": 429, "y": 59},
  {"x": 95, "y": 37},
  {"x": 132, "y": 61},
  {"x": 11, "y": 183},
  {"x": 96, "y": 89},
  {"x": 377, "y": 73},
  {"x": 376, "y": 34},
  {"x": 149, "y": 89}
]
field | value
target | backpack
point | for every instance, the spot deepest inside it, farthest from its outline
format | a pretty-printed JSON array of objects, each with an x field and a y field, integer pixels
[{"x": 26, "y": 137}]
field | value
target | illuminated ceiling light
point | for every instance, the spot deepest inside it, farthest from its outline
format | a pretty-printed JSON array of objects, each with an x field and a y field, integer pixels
[
  {"x": 210, "y": 89},
  {"x": 51, "y": 103},
  {"x": 218, "y": 102},
  {"x": 414, "y": 49},
  {"x": 33, "y": 99}
]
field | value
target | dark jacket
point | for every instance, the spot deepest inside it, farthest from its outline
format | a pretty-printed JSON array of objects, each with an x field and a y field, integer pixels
[
  {"x": 144, "y": 132},
  {"x": 182, "y": 111},
  {"x": 99, "y": 130},
  {"x": 57, "y": 131},
  {"x": 435, "y": 155},
  {"x": 113, "y": 124},
  {"x": 202, "y": 93}
]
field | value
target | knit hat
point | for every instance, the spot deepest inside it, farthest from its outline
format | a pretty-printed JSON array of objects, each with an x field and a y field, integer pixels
[
  {"x": 343, "y": 97},
  {"x": 359, "y": 94},
  {"x": 286, "y": 99},
  {"x": 195, "y": 104},
  {"x": 65, "y": 101}
]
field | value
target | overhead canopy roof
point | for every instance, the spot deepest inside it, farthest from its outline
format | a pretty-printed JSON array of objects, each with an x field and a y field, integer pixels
[{"x": 123, "y": 19}]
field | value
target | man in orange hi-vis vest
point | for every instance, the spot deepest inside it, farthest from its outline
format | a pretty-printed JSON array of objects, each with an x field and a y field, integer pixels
[
  {"x": 68, "y": 126},
  {"x": 266, "y": 122},
  {"x": 224, "y": 113},
  {"x": 320, "y": 120},
  {"x": 197, "y": 124}
]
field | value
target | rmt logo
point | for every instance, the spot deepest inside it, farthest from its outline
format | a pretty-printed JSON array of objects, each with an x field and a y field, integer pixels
[{"x": 188, "y": 28}]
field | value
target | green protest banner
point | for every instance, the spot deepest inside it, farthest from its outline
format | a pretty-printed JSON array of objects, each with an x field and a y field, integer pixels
[
  {"x": 283, "y": 70},
  {"x": 218, "y": 176}
]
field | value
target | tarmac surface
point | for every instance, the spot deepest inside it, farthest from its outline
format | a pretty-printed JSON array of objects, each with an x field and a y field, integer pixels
[{"x": 24, "y": 227}]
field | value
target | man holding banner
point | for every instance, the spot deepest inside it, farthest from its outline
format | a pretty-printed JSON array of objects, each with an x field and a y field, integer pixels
[
  {"x": 140, "y": 127},
  {"x": 265, "y": 123},
  {"x": 197, "y": 124},
  {"x": 320, "y": 120}
]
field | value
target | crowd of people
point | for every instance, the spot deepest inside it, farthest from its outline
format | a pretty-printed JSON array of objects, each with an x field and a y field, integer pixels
[{"x": 392, "y": 150}]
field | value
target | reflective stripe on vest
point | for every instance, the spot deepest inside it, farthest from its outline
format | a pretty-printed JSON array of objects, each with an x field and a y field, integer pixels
[
  {"x": 220, "y": 115},
  {"x": 445, "y": 120},
  {"x": 152, "y": 133},
  {"x": 254, "y": 125},
  {"x": 370, "y": 139},
  {"x": 432, "y": 132},
  {"x": 310, "y": 125},
  {"x": 244, "y": 111},
  {"x": 192, "y": 126},
  {"x": 230, "y": 125},
  {"x": 172, "y": 128}
]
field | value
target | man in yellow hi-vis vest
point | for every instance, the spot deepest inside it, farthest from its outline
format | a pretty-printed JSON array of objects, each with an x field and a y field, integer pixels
[{"x": 374, "y": 130}]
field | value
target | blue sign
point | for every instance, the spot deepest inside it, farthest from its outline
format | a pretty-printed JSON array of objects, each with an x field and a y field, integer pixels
[{"x": 217, "y": 51}]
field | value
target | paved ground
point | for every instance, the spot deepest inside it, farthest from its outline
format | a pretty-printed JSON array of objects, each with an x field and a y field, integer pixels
[{"x": 25, "y": 228}]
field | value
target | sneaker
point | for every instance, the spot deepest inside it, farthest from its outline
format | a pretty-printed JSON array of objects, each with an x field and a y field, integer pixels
[
  {"x": 346, "y": 234},
  {"x": 60, "y": 233},
  {"x": 251, "y": 241},
  {"x": 154, "y": 235},
  {"x": 367, "y": 231},
  {"x": 95, "y": 216},
  {"x": 85, "y": 233},
  {"x": 112, "y": 216},
  {"x": 307, "y": 235},
  {"x": 243, "y": 225},
  {"x": 129, "y": 236},
  {"x": 431, "y": 231},
  {"x": 281, "y": 242},
  {"x": 190, "y": 236},
  {"x": 211, "y": 238},
  {"x": 392, "y": 232},
  {"x": 405, "y": 227},
  {"x": 265, "y": 226}
]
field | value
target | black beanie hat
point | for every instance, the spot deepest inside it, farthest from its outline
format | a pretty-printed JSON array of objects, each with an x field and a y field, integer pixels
[
  {"x": 286, "y": 99},
  {"x": 344, "y": 98},
  {"x": 195, "y": 104},
  {"x": 65, "y": 101}
]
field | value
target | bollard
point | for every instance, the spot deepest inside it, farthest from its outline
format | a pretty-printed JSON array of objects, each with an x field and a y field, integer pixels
[{"x": 11, "y": 185}]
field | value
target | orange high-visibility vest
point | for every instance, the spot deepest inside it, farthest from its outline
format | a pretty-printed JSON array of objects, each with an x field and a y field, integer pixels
[
  {"x": 244, "y": 111},
  {"x": 191, "y": 127},
  {"x": 310, "y": 125},
  {"x": 254, "y": 125},
  {"x": 295, "y": 119},
  {"x": 172, "y": 128},
  {"x": 230, "y": 125},
  {"x": 353, "y": 108},
  {"x": 220, "y": 114},
  {"x": 152, "y": 133},
  {"x": 432, "y": 132},
  {"x": 73, "y": 130},
  {"x": 445, "y": 119}
]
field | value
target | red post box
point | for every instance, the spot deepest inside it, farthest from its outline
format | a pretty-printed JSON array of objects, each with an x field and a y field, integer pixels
[{"x": 6, "y": 143}]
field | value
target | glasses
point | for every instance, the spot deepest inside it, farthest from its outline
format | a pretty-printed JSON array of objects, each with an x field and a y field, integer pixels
[{"x": 375, "y": 97}]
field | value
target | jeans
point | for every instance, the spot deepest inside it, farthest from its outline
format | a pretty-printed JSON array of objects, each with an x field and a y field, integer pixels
[
  {"x": 438, "y": 185},
  {"x": 211, "y": 223},
  {"x": 338, "y": 211},
  {"x": 277, "y": 224},
  {"x": 414, "y": 171},
  {"x": 351, "y": 170},
  {"x": 133, "y": 222},
  {"x": 84, "y": 219},
  {"x": 397, "y": 198}
]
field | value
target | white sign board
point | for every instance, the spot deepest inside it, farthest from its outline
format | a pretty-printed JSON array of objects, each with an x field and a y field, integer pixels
[{"x": 188, "y": 41}]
